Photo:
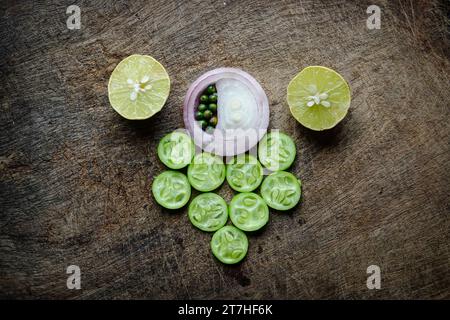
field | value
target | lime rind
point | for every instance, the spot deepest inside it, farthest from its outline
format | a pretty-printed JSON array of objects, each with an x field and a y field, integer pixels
[
  {"x": 138, "y": 87},
  {"x": 307, "y": 86}
]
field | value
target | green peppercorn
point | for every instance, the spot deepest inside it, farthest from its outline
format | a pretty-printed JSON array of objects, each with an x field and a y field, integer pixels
[
  {"x": 207, "y": 114},
  {"x": 203, "y": 98},
  {"x": 203, "y": 124},
  {"x": 211, "y": 89},
  {"x": 213, "y": 98},
  {"x": 198, "y": 115},
  {"x": 212, "y": 107},
  {"x": 201, "y": 107},
  {"x": 213, "y": 121}
]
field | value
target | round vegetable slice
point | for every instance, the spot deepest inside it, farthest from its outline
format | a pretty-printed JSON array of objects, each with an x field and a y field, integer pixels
[
  {"x": 318, "y": 97},
  {"x": 229, "y": 245},
  {"x": 244, "y": 173},
  {"x": 248, "y": 211},
  {"x": 138, "y": 87},
  {"x": 176, "y": 150},
  {"x": 208, "y": 212},
  {"x": 171, "y": 189},
  {"x": 281, "y": 190},
  {"x": 236, "y": 131},
  {"x": 276, "y": 151},
  {"x": 206, "y": 172}
]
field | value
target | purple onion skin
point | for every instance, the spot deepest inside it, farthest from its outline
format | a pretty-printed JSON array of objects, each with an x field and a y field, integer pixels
[{"x": 221, "y": 143}]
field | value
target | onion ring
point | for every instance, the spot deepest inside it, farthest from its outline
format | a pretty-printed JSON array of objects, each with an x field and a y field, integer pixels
[{"x": 228, "y": 142}]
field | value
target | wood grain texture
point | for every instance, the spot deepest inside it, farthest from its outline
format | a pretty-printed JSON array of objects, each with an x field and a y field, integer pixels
[{"x": 75, "y": 176}]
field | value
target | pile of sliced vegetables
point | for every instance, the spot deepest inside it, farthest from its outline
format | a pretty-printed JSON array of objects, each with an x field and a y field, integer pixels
[
  {"x": 206, "y": 172},
  {"x": 226, "y": 113}
]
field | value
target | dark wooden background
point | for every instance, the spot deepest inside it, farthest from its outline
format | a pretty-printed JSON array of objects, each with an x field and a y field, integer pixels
[{"x": 75, "y": 176}]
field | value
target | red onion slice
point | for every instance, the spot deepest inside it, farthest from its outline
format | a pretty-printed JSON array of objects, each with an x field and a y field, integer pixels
[{"x": 231, "y": 141}]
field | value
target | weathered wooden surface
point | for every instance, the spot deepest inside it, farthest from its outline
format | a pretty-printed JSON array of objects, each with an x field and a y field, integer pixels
[{"x": 75, "y": 177}]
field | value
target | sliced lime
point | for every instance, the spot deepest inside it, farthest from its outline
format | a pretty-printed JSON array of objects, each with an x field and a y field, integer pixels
[
  {"x": 318, "y": 97},
  {"x": 138, "y": 87}
]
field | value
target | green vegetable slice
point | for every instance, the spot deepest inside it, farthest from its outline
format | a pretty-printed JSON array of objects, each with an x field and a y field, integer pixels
[
  {"x": 171, "y": 189},
  {"x": 248, "y": 211},
  {"x": 229, "y": 245},
  {"x": 276, "y": 151},
  {"x": 281, "y": 190},
  {"x": 176, "y": 150},
  {"x": 206, "y": 172},
  {"x": 244, "y": 173},
  {"x": 208, "y": 212}
]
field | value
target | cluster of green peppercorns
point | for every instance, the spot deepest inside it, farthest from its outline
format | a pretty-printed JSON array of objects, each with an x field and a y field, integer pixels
[{"x": 206, "y": 113}]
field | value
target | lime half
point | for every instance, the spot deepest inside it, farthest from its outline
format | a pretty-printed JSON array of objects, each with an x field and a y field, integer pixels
[
  {"x": 318, "y": 97},
  {"x": 138, "y": 87}
]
